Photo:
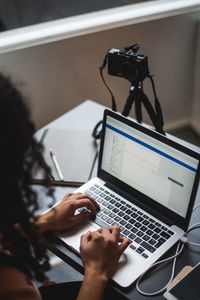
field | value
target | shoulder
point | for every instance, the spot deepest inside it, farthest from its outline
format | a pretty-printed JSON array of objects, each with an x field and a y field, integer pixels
[{"x": 15, "y": 285}]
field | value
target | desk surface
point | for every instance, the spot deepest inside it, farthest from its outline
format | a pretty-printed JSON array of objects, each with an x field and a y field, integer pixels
[{"x": 86, "y": 115}]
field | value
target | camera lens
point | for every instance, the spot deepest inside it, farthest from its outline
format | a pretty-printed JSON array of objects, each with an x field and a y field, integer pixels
[{"x": 129, "y": 71}]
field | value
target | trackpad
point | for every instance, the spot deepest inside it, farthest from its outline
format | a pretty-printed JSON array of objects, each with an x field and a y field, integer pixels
[{"x": 72, "y": 236}]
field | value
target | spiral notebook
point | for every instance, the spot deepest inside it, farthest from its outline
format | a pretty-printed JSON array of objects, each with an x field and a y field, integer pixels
[{"x": 76, "y": 152}]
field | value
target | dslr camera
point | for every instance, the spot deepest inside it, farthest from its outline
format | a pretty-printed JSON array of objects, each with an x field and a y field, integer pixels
[{"x": 128, "y": 63}]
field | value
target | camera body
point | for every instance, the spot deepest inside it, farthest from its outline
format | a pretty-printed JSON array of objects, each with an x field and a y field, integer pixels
[{"x": 129, "y": 64}]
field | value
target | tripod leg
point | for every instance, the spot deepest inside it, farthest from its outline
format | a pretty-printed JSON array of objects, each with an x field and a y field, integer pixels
[
  {"x": 154, "y": 118},
  {"x": 138, "y": 109},
  {"x": 129, "y": 103}
]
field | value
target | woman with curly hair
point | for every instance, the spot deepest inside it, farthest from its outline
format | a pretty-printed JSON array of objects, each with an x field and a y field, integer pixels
[{"x": 23, "y": 257}]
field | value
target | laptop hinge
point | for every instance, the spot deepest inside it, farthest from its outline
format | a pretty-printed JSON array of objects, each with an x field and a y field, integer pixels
[{"x": 142, "y": 205}]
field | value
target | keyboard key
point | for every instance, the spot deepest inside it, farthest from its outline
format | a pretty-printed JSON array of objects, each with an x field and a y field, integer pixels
[
  {"x": 158, "y": 224},
  {"x": 134, "y": 215},
  {"x": 112, "y": 215},
  {"x": 128, "y": 226},
  {"x": 138, "y": 240},
  {"x": 105, "y": 203},
  {"x": 157, "y": 230},
  {"x": 126, "y": 217},
  {"x": 116, "y": 210},
  {"x": 88, "y": 192},
  {"x": 165, "y": 235},
  {"x": 99, "y": 200},
  {"x": 134, "y": 230},
  {"x": 117, "y": 204},
  {"x": 110, "y": 206},
  {"x": 102, "y": 195},
  {"x": 152, "y": 226},
  {"x": 121, "y": 213},
  {"x": 131, "y": 236},
  {"x": 117, "y": 219},
  {"x": 92, "y": 188},
  {"x": 132, "y": 247},
  {"x": 143, "y": 228},
  {"x": 115, "y": 224},
  {"x": 106, "y": 211},
  {"x": 123, "y": 208},
  {"x": 138, "y": 225},
  {"x": 140, "y": 233},
  {"x": 122, "y": 222},
  {"x": 140, "y": 250},
  {"x": 146, "y": 238},
  {"x": 140, "y": 219},
  {"x": 164, "y": 228},
  {"x": 109, "y": 221},
  {"x": 152, "y": 220},
  {"x": 170, "y": 232},
  {"x": 149, "y": 232},
  {"x": 155, "y": 236},
  {"x": 128, "y": 205},
  {"x": 161, "y": 240},
  {"x": 140, "y": 213},
  {"x": 126, "y": 232},
  {"x": 107, "y": 198},
  {"x": 148, "y": 247},
  {"x": 145, "y": 222},
  {"x": 152, "y": 242},
  {"x": 132, "y": 221},
  {"x": 104, "y": 217},
  {"x": 145, "y": 255},
  {"x": 128, "y": 211},
  {"x": 113, "y": 201}
]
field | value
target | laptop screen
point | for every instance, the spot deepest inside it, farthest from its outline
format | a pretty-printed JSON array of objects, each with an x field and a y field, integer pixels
[{"x": 150, "y": 166}]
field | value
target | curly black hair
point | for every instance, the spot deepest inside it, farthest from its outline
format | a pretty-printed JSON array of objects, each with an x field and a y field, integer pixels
[{"x": 19, "y": 151}]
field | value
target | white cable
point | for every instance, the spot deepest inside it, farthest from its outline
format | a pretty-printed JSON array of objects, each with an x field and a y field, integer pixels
[
  {"x": 192, "y": 227},
  {"x": 159, "y": 262}
]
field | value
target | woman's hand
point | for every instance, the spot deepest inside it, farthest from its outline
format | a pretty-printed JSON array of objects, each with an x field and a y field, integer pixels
[
  {"x": 100, "y": 251},
  {"x": 62, "y": 216}
]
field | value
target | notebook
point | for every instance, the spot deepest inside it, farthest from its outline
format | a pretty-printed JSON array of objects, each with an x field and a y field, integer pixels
[
  {"x": 74, "y": 150},
  {"x": 146, "y": 184}
]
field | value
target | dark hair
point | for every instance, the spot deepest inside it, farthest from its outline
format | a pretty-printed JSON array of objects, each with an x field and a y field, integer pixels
[{"x": 18, "y": 201}]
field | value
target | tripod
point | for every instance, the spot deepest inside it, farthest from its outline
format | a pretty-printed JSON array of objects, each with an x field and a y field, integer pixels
[{"x": 137, "y": 95}]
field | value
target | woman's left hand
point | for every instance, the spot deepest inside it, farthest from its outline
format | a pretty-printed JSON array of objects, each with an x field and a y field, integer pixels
[{"x": 62, "y": 216}]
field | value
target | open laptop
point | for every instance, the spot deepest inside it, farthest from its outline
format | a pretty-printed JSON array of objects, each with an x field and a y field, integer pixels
[{"x": 146, "y": 184}]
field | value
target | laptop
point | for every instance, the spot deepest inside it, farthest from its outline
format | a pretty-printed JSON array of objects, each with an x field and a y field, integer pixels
[{"x": 146, "y": 183}]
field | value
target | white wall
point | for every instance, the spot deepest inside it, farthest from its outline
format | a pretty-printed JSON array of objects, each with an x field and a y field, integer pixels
[{"x": 57, "y": 76}]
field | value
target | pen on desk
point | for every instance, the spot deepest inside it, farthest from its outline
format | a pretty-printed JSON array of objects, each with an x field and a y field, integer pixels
[{"x": 53, "y": 156}]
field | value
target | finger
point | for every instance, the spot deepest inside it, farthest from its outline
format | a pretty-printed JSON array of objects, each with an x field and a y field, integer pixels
[
  {"x": 85, "y": 238},
  {"x": 67, "y": 196},
  {"x": 80, "y": 196},
  {"x": 85, "y": 203},
  {"x": 105, "y": 231},
  {"x": 115, "y": 232},
  {"x": 124, "y": 244}
]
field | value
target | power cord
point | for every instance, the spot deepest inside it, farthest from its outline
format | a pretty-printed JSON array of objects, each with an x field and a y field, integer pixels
[{"x": 183, "y": 241}]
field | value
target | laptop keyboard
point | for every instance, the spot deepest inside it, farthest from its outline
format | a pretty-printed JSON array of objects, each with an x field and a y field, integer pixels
[{"x": 145, "y": 234}]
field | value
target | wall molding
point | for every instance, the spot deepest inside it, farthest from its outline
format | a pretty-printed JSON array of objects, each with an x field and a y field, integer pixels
[{"x": 52, "y": 31}]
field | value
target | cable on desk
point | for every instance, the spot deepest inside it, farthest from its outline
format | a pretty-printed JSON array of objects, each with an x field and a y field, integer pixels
[{"x": 179, "y": 249}]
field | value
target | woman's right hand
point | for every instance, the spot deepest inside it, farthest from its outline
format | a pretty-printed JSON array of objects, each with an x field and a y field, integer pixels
[{"x": 101, "y": 250}]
